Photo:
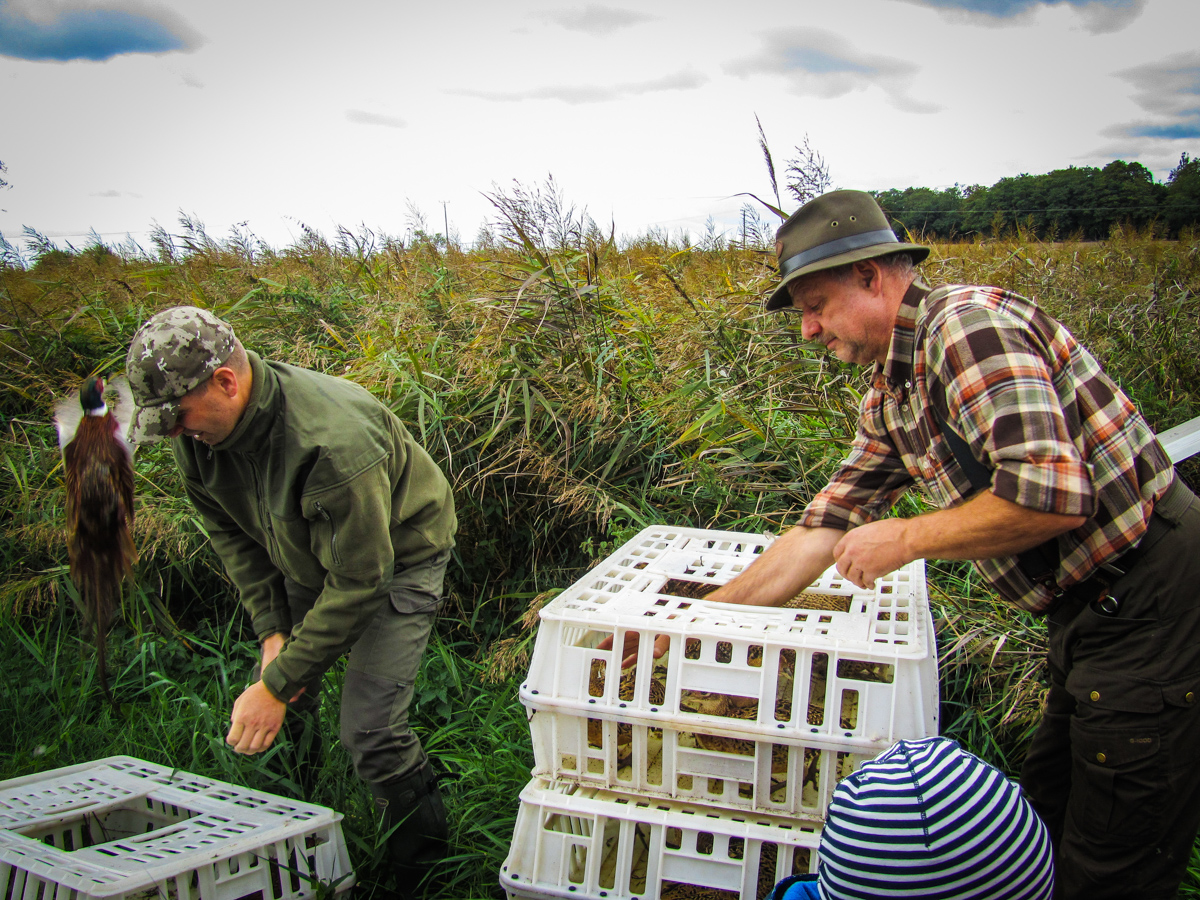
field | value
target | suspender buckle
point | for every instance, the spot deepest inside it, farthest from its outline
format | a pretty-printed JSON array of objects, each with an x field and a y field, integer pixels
[{"x": 1108, "y": 604}]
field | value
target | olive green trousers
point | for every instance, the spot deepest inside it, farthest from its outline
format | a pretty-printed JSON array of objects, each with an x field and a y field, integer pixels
[{"x": 381, "y": 672}]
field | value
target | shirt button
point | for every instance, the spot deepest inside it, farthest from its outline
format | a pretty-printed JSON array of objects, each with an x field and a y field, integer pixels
[
  {"x": 1095, "y": 695},
  {"x": 1189, "y": 697},
  {"x": 908, "y": 385},
  {"x": 1100, "y": 757}
]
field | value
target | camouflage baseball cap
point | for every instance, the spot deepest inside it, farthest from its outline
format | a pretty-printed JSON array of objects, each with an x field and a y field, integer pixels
[{"x": 174, "y": 351}]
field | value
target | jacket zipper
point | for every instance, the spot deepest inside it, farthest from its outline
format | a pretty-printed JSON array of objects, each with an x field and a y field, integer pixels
[
  {"x": 324, "y": 514},
  {"x": 264, "y": 514}
]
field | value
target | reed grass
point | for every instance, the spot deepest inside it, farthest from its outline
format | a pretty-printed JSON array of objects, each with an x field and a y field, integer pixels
[{"x": 575, "y": 388}]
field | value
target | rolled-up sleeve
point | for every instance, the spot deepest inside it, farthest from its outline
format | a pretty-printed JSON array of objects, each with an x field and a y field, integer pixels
[
  {"x": 1002, "y": 400},
  {"x": 870, "y": 480}
]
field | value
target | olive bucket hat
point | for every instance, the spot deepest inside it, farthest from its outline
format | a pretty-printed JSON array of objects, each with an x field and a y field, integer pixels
[
  {"x": 831, "y": 230},
  {"x": 173, "y": 352}
]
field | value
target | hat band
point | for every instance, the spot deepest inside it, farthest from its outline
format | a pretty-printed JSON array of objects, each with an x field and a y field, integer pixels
[{"x": 833, "y": 248}]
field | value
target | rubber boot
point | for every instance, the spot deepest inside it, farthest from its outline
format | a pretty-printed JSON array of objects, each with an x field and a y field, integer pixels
[{"x": 415, "y": 816}]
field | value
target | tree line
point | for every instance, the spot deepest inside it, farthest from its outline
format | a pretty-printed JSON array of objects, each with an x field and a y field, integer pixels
[{"x": 1084, "y": 202}]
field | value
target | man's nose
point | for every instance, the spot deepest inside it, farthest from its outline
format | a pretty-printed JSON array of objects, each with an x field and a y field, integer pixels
[{"x": 809, "y": 326}]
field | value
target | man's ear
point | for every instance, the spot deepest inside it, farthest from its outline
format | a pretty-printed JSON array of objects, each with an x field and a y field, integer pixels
[
  {"x": 226, "y": 381},
  {"x": 868, "y": 275}
]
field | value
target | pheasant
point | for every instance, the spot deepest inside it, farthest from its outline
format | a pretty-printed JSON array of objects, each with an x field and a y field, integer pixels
[{"x": 98, "y": 462}]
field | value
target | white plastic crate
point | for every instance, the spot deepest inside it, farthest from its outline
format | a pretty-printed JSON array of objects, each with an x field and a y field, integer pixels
[
  {"x": 127, "y": 829},
  {"x": 856, "y": 677},
  {"x": 576, "y": 841},
  {"x": 768, "y": 774}
]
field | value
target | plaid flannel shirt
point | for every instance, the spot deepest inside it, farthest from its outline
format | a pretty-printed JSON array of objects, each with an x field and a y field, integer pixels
[{"x": 1035, "y": 408}]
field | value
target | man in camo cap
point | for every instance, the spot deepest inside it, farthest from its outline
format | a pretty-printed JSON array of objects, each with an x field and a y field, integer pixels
[
  {"x": 335, "y": 526},
  {"x": 174, "y": 352}
]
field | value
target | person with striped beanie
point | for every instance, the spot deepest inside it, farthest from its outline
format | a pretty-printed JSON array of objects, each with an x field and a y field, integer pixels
[{"x": 927, "y": 819}]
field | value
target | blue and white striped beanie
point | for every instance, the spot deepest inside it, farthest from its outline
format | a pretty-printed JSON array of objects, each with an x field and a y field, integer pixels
[{"x": 927, "y": 819}]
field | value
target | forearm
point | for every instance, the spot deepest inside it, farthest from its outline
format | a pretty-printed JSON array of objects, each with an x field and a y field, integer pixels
[
  {"x": 334, "y": 623},
  {"x": 271, "y": 645},
  {"x": 788, "y": 566},
  {"x": 985, "y": 527}
]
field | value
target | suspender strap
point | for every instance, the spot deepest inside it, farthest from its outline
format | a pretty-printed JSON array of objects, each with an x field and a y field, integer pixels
[
  {"x": 979, "y": 474},
  {"x": 1039, "y": 563}
]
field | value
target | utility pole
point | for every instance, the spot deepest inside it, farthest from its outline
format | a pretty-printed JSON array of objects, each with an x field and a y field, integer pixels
[{"x": 446, "y": 223}]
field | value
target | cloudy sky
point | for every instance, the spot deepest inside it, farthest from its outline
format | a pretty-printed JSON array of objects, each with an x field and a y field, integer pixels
[{"x": 122, "y": 113}]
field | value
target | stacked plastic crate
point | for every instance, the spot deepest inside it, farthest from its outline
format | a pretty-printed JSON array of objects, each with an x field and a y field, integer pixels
[
  {"x": 705, "y": 774},
  {"x": 124, "y": 829}
]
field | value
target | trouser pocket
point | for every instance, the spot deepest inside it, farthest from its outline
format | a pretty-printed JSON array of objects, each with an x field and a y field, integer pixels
[
  {"x": 1119, "y": 782},
  {"x": 418, "y": 589}
]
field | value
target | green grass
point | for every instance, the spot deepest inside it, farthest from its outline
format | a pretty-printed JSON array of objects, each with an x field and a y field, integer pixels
[
  {"x": 173, "y": 697},
  {"x": 575, "y": 389}
]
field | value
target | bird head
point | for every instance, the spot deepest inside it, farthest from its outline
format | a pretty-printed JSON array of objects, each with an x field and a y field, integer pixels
[{"x": 91, "y": 395}]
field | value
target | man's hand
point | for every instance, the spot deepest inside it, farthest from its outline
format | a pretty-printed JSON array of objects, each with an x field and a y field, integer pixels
[
  {"x": 661, "y": 644},
  {"x": 257, "y": 715},
  {"x": 787, "y": 567},
  {"x": 868, "y": 552},
  {"x": 257, "y": 718}
]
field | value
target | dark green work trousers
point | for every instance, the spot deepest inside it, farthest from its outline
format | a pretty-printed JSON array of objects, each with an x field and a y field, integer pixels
[
  {"x": 380, "y": 673},
  {"x": 1114, "y": 768}
]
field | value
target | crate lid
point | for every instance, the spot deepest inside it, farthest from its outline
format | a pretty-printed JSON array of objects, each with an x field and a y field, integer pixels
[{"x": 658, "y": 580}]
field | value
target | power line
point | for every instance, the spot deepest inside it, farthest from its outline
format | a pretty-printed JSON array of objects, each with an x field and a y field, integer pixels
[
  {"x": 1034, "y": 209},
  {"x": 69, "y": 234},
  {"x": 912, "y": 214}
]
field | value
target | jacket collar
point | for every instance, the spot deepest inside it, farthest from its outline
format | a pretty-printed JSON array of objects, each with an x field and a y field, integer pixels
[
  {"x": 255, "y": 424},
  {"x": 894, "y": 375}
]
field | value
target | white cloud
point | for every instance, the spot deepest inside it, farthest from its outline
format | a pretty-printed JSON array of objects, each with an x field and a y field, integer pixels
[
  {"x": 362, "y": 117},
  {"x": 64, "y": 31},
  {"x": 595, "y": 19},
  {"x": 575, "y": 94},
  {"x": 1170, "y": 90},
  {"x": 1099, "y": 16},
  {"x": 819, "y": 63}
]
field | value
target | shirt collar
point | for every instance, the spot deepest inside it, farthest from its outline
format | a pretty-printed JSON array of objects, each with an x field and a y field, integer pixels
[{"x": 894, "y": 375}]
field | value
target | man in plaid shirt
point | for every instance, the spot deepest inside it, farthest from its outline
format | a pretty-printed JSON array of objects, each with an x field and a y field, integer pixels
[{"x": 1049, "y": 479}]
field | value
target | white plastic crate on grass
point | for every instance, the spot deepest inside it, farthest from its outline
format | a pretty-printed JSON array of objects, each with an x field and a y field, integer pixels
[
  {"x": 856, "y": 677},
  {"x": 576, "y": 841},
  {"x": 126, "y": 829}
]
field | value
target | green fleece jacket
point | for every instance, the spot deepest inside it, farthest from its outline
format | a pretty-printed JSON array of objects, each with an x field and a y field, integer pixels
[{"x": 322, "y": 484}]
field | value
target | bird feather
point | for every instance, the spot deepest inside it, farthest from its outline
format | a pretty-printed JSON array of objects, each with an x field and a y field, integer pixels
[{"x": 98, "y": 465}]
